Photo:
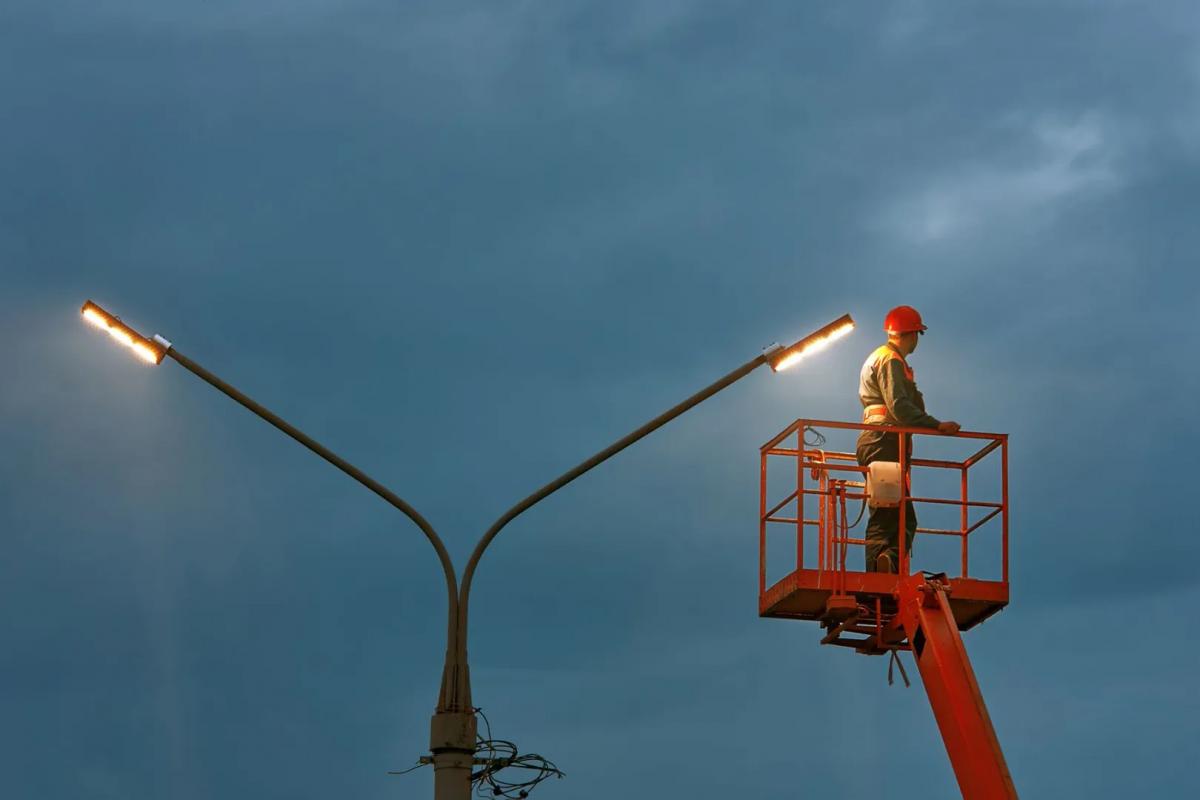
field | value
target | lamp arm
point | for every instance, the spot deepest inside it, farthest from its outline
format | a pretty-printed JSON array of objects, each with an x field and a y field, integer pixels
[
  {"x": 572, "y": 474},
  {"x": 354, "y": 472}
]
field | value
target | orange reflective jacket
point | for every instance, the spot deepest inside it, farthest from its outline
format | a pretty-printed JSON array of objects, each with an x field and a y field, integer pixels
[{"x": 888, "y": 391}]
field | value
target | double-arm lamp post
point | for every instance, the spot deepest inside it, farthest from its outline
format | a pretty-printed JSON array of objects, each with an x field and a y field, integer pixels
[{"x": 452, "y": 729}]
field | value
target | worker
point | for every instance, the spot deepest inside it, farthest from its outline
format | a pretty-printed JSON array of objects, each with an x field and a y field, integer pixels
[{"x": 889, "y": 397}]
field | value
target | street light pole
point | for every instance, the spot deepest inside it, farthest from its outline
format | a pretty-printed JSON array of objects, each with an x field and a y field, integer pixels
[
  {"x": 777, "y": 356},
  {"x": 452, "y": 728}
]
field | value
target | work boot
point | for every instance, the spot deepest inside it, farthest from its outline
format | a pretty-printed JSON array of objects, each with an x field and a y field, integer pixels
[{"x": 883, "y": 563}]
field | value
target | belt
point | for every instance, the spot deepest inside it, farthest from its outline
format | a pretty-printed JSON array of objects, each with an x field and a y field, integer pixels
[{"x": 875, "y": 411}]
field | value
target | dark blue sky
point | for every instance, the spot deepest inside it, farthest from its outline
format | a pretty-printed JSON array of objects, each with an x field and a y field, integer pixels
[{"x": 466, "y": 244}]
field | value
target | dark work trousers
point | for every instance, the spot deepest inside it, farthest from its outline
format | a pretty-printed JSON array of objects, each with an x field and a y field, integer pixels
[{"x": 883, "y": 525}]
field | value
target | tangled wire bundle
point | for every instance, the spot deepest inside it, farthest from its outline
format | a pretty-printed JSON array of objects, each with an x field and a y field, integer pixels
[{"x": 501, "y": 754}]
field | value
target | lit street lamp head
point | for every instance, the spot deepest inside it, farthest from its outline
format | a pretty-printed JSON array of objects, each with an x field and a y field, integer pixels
[
  {"x": 781, "y": 357},
  {"x": 151, "y": 351}
]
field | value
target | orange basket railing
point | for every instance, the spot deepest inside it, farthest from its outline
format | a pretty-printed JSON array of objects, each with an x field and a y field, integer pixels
[{"x": 834, "y": 478}]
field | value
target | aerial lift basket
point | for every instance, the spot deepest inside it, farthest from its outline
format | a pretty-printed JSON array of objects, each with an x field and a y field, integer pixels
[{"x": 878, "y": 613}]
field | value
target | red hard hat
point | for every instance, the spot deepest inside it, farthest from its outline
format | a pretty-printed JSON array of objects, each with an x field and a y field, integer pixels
[{"x": 903, "y": 319}]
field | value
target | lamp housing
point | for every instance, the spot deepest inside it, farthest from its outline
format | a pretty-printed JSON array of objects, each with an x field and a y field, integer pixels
[
  {"x": 780, "y": 358},
  {"x": 149, "y": 350}
]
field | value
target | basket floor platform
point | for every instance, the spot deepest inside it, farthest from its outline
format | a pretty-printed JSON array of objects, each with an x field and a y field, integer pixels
[{"x": 804, "y": 595}]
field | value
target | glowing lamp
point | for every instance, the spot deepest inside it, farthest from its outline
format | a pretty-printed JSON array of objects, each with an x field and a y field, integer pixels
[
  {"x": 151, "y": 351},
  {"x": 781, "y": 357}
]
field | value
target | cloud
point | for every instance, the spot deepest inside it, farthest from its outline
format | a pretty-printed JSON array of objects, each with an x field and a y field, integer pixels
[
  {"x": 904, "y": 22},
  {"x": 1066, "y": 160}
]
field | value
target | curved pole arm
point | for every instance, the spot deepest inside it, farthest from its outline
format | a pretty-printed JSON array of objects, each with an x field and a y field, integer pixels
[
  {"x": 354, "y": 472},
  {"x": 570, "y": 475}
]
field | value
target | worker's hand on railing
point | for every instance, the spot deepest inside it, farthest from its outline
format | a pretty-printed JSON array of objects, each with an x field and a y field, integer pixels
[{"x": 949, "y": 427}]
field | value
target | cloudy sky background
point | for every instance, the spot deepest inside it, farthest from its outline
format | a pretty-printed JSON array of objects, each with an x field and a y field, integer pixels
[{"x": 467, "y": 244}]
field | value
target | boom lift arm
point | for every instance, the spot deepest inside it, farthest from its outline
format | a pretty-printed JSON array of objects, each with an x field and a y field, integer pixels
[{"x": 950, "y": 685}]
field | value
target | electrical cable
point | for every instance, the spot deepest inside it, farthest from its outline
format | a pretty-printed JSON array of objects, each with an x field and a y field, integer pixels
[
  {"x": 818, "y": 437},
  {"x": 857, "y": 519},
  {"x": 895, "y": 659},
  {"x": 500, "y": 754},
  {"x": 417, "y": 766},
  {"x": 492, "y": 756}
]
